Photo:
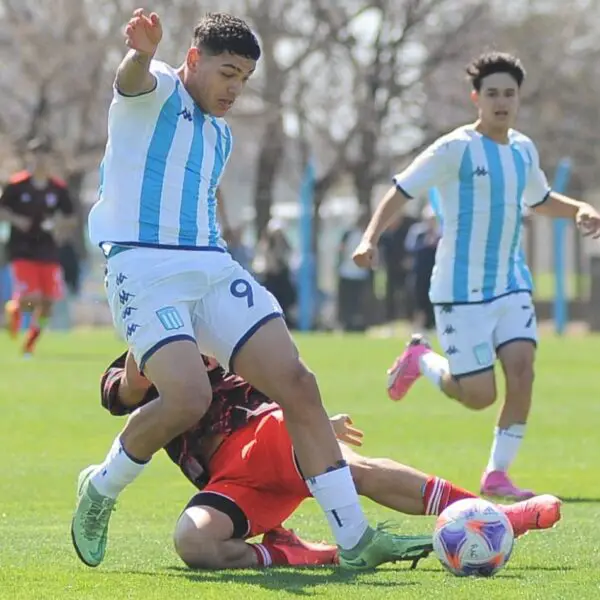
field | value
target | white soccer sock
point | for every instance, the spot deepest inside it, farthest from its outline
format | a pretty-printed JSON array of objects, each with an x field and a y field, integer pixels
[
  {"x": 505, "y": 447},
  {"x": 116, "y": 472},
  {"x": 336, "y": 494},
  {"x": 433, "y": 366}
]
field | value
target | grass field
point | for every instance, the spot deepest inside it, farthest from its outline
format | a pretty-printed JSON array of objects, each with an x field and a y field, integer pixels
[{"x": 52, "y": 425}]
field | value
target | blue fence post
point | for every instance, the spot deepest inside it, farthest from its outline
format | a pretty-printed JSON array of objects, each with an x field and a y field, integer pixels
[
  {"x": 306, "y": 283},
  {"x": 561, "y": 301}
]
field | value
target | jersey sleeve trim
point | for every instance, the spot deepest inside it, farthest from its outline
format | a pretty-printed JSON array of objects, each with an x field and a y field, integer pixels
[
  {"x": 19, "y": 177},
  {"x": 542, "y": 200},
  {"x": 401, "y": 189},
  {"x": 140, "y": 95}
]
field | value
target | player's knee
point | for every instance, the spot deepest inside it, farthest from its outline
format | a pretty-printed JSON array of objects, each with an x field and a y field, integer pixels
[
  {"x": 186, "y": 399},
  {"x": 520, "y": 375},
  {"x": 193, "y": 546},
  {"x": 301, "y": 392},
  {"x": 29, "y": 302},
  {"x": 478, "y": 398}
]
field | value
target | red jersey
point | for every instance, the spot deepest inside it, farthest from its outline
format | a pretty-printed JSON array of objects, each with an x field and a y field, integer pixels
[
  {"x": 234, "y": 402},
  {"x": 21, "y": 197}
]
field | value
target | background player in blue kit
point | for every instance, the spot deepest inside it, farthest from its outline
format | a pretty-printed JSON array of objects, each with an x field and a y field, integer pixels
[{"x": 487, "y": 173}]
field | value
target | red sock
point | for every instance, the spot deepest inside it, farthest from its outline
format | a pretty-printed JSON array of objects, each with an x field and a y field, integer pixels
[
  {"x": 269, "y": 556},
  {"x": 32, "y": 335},
  {"x": 439, "y": 494}
]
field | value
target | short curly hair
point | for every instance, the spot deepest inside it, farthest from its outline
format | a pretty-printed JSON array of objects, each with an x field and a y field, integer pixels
[
  {"x": 495, "y": 62},
  {"x": 217, "y": 33}
]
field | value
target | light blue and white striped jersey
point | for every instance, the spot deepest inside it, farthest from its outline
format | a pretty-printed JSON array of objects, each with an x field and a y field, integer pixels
[
  {"x": 161, "y": 168},
  {"x": 484, "y": 187}
]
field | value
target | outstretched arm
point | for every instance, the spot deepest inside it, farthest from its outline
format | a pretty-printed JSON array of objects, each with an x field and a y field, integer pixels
[
  {"x": 559, "y": 206},
  {"x": 431, "y": 168}
]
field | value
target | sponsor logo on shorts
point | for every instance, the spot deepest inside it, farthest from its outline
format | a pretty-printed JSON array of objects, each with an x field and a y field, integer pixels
[
  {"x": 170, "y": 318},
  {"x": 483, "y": 354}
]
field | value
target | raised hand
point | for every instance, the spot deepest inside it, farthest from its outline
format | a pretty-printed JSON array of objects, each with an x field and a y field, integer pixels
[{"x": 143, "y": 33}]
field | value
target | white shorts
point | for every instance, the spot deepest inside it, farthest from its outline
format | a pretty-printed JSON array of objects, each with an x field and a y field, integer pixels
[
  {"x": 158, "y": 296},
  {"x": 472, "y": 334}
]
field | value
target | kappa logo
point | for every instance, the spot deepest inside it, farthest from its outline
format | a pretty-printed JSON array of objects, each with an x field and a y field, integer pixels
[
  {"x": 480, "y": 172},
  {"x": 127, "y": 312},
  {"x": 131, "y": 329},
  {"x": 124, "y": 297},
  {"x": 186, "y": 114}
]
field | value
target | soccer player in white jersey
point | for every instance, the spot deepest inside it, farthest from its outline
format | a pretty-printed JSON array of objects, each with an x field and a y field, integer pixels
[
  {"x": 174, "y": 290},
  {"x": 487, "y": 174}
]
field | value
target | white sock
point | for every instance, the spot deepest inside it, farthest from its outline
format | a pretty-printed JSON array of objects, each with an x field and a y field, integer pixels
[
  {"x": 433, "y": 366},
  {"x": 336, "y": 494},
  {"x": 116, "y": 472},
  {"x": 505, "y": 447}
]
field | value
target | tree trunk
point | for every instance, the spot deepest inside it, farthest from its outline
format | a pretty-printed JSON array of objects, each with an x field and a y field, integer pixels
[
  {"x": 269, "y": 160},
  {"x": 272, "y": 145}
]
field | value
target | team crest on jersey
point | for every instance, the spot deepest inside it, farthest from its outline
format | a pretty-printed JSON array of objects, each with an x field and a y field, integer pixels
[
  {"x": 51, "y": 200},
  {"x": 26, "y": 197}
]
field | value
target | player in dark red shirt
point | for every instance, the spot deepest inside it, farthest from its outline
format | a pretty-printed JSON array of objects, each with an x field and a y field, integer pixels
[
  {"x": 240, "y": 458},
  {"x": 30, "y": 202}
]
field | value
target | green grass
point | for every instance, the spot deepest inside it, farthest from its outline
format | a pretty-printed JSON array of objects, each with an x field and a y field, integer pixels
[
  {"x": 52, "y": 425},
  {"x": 543, "y": 284}
]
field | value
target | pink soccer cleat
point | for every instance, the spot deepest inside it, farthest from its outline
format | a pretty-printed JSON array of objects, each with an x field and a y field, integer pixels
[
  {"x": 405, "y": 370},
  {"x": 498, "y": 484},
  {"x": 539, "y": 512},
  {"x": 295, "y": 551}
]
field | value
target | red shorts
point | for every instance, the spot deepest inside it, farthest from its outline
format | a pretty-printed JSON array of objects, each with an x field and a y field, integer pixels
[
  {"x": 35, "y": 277},
  {"x": 255, "y": 468}
]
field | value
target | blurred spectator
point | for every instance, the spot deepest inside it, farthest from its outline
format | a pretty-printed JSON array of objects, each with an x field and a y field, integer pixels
[
  {"x": 354, "y": 283},
  {"x": 71, "y": 266},
  {"x": 271, "y": 265},
  {"x": 421, "y": 242},
  {"x": 240, "y": 251},
  {"x": 393, "y": 252}
]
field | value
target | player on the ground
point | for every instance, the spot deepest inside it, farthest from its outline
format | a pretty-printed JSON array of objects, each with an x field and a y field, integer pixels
[
  {"x": 241, "y": 458},
  {"x": 31, "y": 202},
  {"x": 487, "y": 173},
  {"x": 173, "y": 289}
]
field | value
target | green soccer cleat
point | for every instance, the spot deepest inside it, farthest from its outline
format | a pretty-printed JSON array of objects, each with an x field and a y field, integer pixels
[
  {"x": 89, "y": 528},
  {"x": 379, "y": 546}
]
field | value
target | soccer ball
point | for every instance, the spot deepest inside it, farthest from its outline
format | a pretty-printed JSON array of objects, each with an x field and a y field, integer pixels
[{"x": 473, "y": 537}]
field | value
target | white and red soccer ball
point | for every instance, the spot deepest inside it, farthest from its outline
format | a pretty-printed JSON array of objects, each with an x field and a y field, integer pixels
[{"x": 473, "y": 537}]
